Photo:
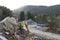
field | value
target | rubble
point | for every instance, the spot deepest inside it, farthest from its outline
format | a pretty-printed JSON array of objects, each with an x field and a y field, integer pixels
[
  {"x": 12, "y": 34},
  {"x": 8, "y": 28}
]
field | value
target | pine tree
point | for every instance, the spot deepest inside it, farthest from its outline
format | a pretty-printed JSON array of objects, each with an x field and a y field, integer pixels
[
  {"x": 5, "y": 12},
  {"x": 22, "y": 16},
  {"x": 30, "y": 16}
]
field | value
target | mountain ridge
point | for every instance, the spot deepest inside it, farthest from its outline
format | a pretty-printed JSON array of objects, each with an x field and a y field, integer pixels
[{"x": 39, "y": 9}]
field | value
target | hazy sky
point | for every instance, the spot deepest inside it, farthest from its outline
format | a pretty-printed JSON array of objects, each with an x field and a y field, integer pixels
[{"x": 14, "y": 4}]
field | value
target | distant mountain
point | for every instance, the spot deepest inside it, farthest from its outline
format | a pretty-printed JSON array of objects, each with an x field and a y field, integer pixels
[
  {"x": 29, "y": 8},
  {"x": 52, "y": 10}
]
